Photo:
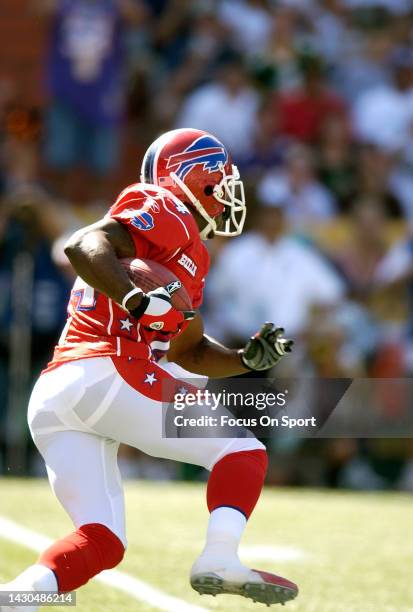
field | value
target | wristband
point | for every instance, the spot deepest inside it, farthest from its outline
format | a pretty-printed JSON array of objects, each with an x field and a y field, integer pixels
[
  {"x": 132, "y": 292},
  {"x": 139, "y": 310}
]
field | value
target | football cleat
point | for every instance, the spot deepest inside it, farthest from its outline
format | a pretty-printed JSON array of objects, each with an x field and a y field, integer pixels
[{"x": 262, "y": 587}]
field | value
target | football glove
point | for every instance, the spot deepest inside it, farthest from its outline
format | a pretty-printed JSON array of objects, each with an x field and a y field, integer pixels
[
  {"x": 266, "y": 348},
  {"x": 156, "y": 312}
]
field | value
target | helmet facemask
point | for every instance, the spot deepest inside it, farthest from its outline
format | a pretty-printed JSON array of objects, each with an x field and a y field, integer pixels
[{"x": 229, "y": 192}]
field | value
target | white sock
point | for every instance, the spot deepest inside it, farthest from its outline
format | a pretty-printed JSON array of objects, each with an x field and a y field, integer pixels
[
  {"x": 225, "y": 528},
  {"x": 36, "y": 578}
]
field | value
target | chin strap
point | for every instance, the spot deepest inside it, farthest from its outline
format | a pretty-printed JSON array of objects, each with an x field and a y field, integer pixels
[
  {"x": 205, "y": 234},
  {"x": 211, "y": 223}
]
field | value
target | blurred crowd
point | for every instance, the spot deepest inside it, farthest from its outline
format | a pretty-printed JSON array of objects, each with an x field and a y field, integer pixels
[{"x": 314, "y": 98}]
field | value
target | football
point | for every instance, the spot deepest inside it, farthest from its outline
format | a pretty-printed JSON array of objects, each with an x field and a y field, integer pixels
[{"x": 149, "y": 275}]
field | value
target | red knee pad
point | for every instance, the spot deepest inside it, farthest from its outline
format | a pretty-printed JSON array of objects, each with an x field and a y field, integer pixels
[
  {"x": 82, "y": 554},
  {"x": 236, "y": 481}
]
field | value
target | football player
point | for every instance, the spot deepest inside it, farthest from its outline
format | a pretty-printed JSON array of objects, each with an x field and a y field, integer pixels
[{"x": 104, "y": 384}]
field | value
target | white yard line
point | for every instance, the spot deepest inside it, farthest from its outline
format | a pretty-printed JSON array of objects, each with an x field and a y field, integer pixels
[
  {"x": 9, "y": 530},
  {"x": 272, "y": 553}
]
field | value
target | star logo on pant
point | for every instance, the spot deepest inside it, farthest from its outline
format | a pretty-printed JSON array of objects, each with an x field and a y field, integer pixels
[
  {"x": 150, "y": 379},
  {"x": 126, "y": 324}
]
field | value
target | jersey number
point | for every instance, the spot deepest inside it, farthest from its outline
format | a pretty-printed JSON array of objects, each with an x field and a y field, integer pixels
[
  {"x": 83, "y": 298},
  {"x": 85, "y": 295}
]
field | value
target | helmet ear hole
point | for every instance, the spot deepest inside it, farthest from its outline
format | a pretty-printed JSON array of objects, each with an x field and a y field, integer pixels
[{"x": 208, "y": 190}]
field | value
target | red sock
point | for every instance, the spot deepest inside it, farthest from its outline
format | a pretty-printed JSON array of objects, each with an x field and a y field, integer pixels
[
  {"x": 81, "y": 555},
  {"x": 236, "y": 481}
]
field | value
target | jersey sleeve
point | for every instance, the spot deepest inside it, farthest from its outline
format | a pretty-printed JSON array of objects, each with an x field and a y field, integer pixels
[
  {"x": 153, "y": 220},
  {"x": 199, "y": 295}
]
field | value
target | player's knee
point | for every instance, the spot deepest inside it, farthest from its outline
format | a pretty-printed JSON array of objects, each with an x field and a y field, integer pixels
[
  {"x": 256, "y": 456},
  {"x": 107, "y": 544},
  {"x": 245, "y": 444}
]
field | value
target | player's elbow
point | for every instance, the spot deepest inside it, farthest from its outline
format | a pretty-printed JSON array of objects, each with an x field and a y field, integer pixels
[
  {"x": 80, "y": 245},
  {"x": 86, "y": 247},
  {"x": 73, "y": 246}
]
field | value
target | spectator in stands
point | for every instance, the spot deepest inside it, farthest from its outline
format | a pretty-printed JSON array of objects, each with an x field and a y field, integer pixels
[
  {"x": 226, "y": 107},
  {"x": 303, "y": 111},
  {"x": 373, "y": 179},
  {"x": 268, "y": 275},
  {"x": 396, "y": 7},
  {"x": 277, "y": 66},
  {"x": 331, "y": 34},
  {"x": 337, "y": 160},
  {"x": 307, "y": 200},
  {"x": 86, "y": 83},
  {"x": 330, "y": 351},
  {"x": 383, "y": 115},
  {"x": 394, "y": 276},
  {"x": 377, "y": 267},
  {"x": 365, "y": 65},
  {"x": 248, "y": 22},
  {"x": 206, "y": 43},
  {"x": 170, "y": 26},
  {"x": 33, "y": 297},
  {"x": 268, "y": 148},
  {"x": 30, "y": 225},
  {"x": 368, "y": 242}
]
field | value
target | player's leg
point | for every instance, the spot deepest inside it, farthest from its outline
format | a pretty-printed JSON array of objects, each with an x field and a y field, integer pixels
[
  {"x": 234, "y": 487},
  {"x": 83, "y": 473},
  {"x": 237, "y": 465}
]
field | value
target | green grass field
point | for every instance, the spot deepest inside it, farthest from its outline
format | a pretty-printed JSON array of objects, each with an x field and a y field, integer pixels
[{"x": 357, "y": 548}]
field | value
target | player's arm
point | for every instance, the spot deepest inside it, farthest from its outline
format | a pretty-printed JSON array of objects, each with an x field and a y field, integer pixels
[
  {"x": 198, "y": 353},
  {"x": 94, "y": 252}
]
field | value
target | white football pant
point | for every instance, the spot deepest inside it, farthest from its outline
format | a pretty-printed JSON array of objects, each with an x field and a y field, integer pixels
[{"x": 78, "y": 415}]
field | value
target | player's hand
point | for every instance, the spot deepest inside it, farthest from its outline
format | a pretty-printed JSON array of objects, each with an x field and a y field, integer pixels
[
  {"x": 266, "y": 348},
  {"x": 157, "y": 313}
]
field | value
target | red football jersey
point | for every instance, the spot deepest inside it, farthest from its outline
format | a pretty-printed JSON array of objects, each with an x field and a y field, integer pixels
[{"x": 163, "y": 230}]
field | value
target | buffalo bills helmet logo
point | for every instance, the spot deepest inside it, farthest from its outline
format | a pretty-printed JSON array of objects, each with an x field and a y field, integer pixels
[
  {"x": 143, "y": 220},
  {"x": 205, "y": 151}
]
